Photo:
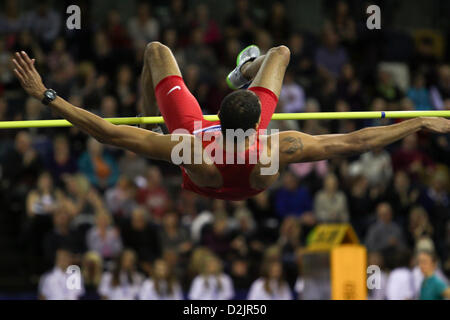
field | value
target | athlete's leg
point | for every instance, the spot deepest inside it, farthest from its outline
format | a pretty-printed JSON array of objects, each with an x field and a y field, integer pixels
[
  {"x": 267, "y": 73},
  {"x": 268, "y": 70},
  {"x": 164, "y": 90}
]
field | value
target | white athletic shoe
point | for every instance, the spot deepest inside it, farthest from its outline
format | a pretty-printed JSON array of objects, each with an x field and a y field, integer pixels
[{"x": 235, "y": 79}]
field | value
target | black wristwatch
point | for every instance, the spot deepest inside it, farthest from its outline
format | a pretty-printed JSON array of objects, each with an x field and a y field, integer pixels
[{"x": 49, "y": 96}]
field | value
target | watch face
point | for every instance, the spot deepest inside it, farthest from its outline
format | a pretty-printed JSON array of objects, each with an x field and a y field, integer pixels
[{"x": 50, "y": 95}]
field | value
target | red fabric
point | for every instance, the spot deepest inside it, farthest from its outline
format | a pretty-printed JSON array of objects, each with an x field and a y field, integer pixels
[{"x": 180, "y": 110}]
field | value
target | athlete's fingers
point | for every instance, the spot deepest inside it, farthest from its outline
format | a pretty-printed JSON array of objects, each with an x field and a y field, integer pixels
[
  {"x": 27, "y": 59},
  {"x": 22, "y": 62},
  {"x": 19, "y": 76},
  {"x": 19, "y": 68}
]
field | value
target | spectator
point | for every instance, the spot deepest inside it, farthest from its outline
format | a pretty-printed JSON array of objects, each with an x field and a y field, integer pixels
[
  {"x": 376, "y": 166},
  {"x": 270, "y": 286},
  {"x": 330, "y": 56},
  {"x": 132, "y": 166},
  {"x": 211, "y": 283},
  {"x": 399, "y": 282},
  {"x": 53, "y": 284},
  {"x": 44, "y": 23},
  {"x": 378, "y": 293},
  {"x": 61, "y": 161},
  {"x": 419, "y": 225},
  {"x": 432, "y": 287},
  {"x": 291, "y": 198},
  {"x": 62, "y": 235},
  {"x": 292, "y": 97},
  {"x": 330, "y": 204},
  {"x": 154, "y": 195},
  {"x": 143, "y": 28},
  {"x": 98, "y": 166},
  {"x": 173, "y": 236},
  {"x": 387, "y": 89},
  {"x": 162, "y": 285},
  {"x": 120, "y": 199},
  {"x": 123, "y": 282},
  {"x": 104, "y": 238},
  {"x": 142, "y": 236},
  {"x": 411, "y": 159},
  {"x": 92, "y": 265},
  {"x": 419, "y": 94},
  {"x": 384, "y": 233}
]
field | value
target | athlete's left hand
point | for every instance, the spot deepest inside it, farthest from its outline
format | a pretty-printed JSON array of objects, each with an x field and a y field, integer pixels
[{"x": 28, "y": 76}]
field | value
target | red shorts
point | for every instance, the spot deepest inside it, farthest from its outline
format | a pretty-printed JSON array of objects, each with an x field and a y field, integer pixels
[{"x": 181, "y": 110}]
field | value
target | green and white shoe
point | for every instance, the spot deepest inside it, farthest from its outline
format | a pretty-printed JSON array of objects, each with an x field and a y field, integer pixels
[{"x": 235, "y": 79}]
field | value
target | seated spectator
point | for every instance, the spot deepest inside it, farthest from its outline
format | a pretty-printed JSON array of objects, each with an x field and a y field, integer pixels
[
  {"x": 411, "y": 159},
  {"x": 98, "y": 166},
  {"x": 92, "y": 269},
  {"x": 123, "y": 282},
  {"x": 142, "y": 236},
  {"x": 399, "y": 282},
  {"x": 41, "y": 203},
  {"x": 376, "y": 166},
  {"x": 143, "y": 28},
  {"x": 419, "y": 225},
  {"x": 53, "y": 284},
  {"x": 154, "y": 196},
  {"x": 173, "y": 236},
  {"x": 432, "y": 287},
  {"x": 378, "y": 292},
  {"x": 104, "y": 238},
  {"x": 292, "y": 97},
  {"x": 62, "y": 235},
  {"x": 387, "y": 89},
  {"x": 132, "y": 166},
  {"x": 402, "y": 195},
  {"x": 330, "y": 56},
  {"x": 211, "y": 283},
  {"x": 290, "y": 241},
  {"x": 120, "y": 199},
  {"x": 61, "y": 161},
  {"x": 440, "y": 92},
  {"x": 291, "y": 198},
  {"x": 277, "y": 23},
  {"x": 271, "y": 285},
  {"x": 419, "y": 94},
  {"x": 384, "y": 233},
  {"x": 44, "y": 23},
  {"x": 162, "y": 285},
  {"x": 217, "y": 236},
  {"x": 330, "y": 204}
]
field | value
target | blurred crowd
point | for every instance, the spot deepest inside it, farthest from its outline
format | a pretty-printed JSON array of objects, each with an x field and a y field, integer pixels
[{"x": 125, "y": 220}]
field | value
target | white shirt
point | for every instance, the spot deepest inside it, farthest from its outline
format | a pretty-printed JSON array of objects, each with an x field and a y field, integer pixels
[
  {"x": 207, "y": 288},
  {"x": 53, "y": 286},
  {"x": 148, "y": 291},
  {"x": 293, "y": 98},
  {"x": 257, "y": 291},
  {"x": 124, "y": 291},
  {"x": 400, "y": 285}
]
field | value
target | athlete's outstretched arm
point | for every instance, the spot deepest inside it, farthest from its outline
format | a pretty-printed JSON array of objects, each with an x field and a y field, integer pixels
[
  {"x": 295, "y": 146},
  {"x": 141, "y": 141}
]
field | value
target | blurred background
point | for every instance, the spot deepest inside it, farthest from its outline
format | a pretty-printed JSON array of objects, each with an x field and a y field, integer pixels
[{"x": 65, "y": 199}]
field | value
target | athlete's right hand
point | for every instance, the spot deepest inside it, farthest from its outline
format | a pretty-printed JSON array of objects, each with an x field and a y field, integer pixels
[
  {"x": 437, "y": 125},
  {"x": 28, "y": 76}
]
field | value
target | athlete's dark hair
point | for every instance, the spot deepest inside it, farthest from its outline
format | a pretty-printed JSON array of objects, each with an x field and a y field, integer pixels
[{"x": 240, "y": 109}]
